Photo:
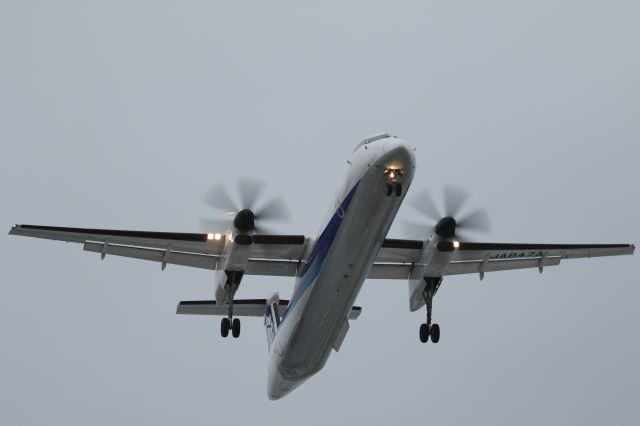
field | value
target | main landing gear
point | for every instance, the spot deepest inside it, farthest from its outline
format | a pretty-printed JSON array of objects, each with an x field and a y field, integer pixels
[
  {"x": 427, "y": 329},
  {"x": 231, "y": 323}
]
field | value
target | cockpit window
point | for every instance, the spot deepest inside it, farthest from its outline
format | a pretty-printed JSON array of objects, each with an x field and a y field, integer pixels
[{"x": 373, "y": 139}]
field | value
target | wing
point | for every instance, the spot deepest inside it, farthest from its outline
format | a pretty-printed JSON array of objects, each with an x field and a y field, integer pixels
[
  {"x": 282, "y": 255},
  {"x": 396, "y": 258},
  {"x": 277, "y": 255}
]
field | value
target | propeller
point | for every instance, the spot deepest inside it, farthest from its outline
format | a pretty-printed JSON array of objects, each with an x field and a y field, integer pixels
[
  {"x": 446, "y": 225},
  {"x": 244, "y": 216}
]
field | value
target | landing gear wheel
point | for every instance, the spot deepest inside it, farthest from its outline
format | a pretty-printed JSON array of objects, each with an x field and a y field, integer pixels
[
  {"x": 435, "y": 333},
  {"x": 424, "y": 333},
  {"x": 235, "y": 327},
  {"x": 389, "y": 189},
  {"x": 398, "y": 189},
  {"x": 225, "y": 324}
]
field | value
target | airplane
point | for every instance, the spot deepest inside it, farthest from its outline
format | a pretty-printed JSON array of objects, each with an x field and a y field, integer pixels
[{"x": 330, "y": 269}]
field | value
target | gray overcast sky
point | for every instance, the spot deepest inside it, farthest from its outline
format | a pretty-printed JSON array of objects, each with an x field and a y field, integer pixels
[{"x": 121, "y": 114}]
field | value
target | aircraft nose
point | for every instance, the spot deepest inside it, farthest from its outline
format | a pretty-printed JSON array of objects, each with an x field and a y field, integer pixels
[{"x": 398, "y": 158}]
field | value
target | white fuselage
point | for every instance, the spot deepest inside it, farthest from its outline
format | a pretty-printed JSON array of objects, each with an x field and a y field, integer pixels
[{"x": 343, "y": 253}]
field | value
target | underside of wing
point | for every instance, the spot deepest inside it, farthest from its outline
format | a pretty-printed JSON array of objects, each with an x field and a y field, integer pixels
[
  {"x": 397, "y": 258},
  {"x": 277, "y": 255},
  {"x": 469, "y": 258}
]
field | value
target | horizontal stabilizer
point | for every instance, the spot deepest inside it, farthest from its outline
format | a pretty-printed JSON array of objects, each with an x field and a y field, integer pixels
[{"x": 241, "y": 308}]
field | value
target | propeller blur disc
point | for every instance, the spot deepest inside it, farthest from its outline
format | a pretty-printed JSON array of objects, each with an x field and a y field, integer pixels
[{"x": 249, "y": 193}]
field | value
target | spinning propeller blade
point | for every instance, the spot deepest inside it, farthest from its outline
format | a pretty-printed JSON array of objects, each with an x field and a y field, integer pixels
[
  {"x": 448, "y": 226},
  {"x": 245, "y": 217}
]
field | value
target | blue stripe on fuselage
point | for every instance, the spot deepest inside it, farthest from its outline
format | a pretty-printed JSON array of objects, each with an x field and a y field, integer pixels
[{"x": 313, "y": 266}]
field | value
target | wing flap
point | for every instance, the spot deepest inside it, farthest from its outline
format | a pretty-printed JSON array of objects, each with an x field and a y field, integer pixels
[
  {"x": 390, "y": 271},
  {"x": 195, "y": 260},
  {"x": 474, "y": 267},
  {"x": 403, "y": 251},
  {"x": 269, "y": 267},
  {"x": 285, "y": 249}
]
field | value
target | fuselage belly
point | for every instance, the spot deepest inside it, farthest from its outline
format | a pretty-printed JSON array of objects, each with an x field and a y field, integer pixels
[{"x": 339, "y": 263}]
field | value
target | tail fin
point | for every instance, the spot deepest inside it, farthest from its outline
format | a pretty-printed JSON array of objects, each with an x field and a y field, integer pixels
[{"x": 272, "y": 318}]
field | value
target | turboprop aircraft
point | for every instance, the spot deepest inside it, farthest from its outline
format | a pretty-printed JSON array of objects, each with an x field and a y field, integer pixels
[{"x": 330, "y": 269}]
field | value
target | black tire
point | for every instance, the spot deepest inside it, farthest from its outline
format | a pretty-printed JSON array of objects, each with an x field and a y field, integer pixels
[
  {"x": 424, "y": 333},
  {"x": 389, "y": 189},
  {"x": 225, "y": 324},
  {"x": 235, "y": 327},
  {"x": 398, "y": 189},
  {"x": 435, "y": 333}
]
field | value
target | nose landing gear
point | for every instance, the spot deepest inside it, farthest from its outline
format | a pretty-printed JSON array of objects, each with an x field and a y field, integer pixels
[
  {"x": 427, "y": 329},
  {"x": 393, "y": 186}
]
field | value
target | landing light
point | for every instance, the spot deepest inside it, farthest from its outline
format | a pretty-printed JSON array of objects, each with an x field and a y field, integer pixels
[
  {"x": 209, "y": 236},
  {"x": 393, "y": 172},
  {"x": 216, "y": 237},
  {"x": 456, "y": 244}
]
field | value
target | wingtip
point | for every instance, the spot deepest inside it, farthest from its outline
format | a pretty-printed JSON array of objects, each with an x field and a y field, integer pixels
[{"x": 13, "y": 228}]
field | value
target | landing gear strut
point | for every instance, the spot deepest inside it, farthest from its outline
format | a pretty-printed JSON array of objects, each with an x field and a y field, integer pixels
[
  {"x": 231, "y": 323},
  {"x": 427, "y": 329}
]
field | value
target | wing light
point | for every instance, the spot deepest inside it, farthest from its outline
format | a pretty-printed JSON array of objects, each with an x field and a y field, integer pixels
[{"x": 456, "y": 244}]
